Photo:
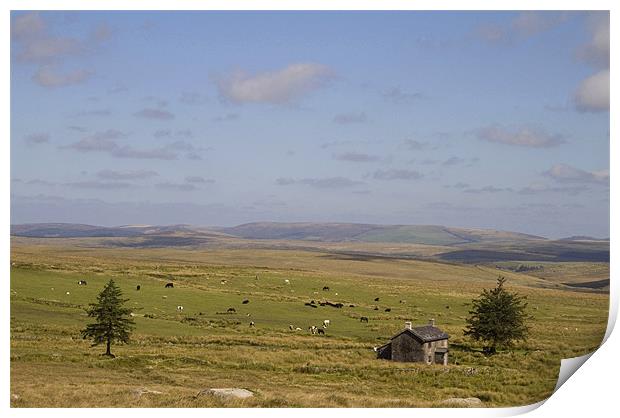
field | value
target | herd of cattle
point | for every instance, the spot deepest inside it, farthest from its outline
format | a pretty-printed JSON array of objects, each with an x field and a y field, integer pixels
[{"x": 313, "y": 329}]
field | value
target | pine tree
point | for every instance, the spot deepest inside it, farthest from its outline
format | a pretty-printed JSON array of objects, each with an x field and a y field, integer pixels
[
  {"x": 498, "y": 318},
  {"x": 112, "y": 321}
]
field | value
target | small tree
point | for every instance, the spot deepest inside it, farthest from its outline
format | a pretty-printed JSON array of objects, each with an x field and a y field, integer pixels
[
  {"x": 112, "y": 321},
  {"x": 498, "y": 318}
]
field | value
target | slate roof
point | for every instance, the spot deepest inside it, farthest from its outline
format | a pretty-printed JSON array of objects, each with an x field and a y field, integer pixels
[{"x": 426, "y": 333}]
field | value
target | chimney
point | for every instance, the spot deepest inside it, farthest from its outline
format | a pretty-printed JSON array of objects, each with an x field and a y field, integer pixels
[
  {"x": 431, "y": 322},
  {"x": 407, "y": 325}
]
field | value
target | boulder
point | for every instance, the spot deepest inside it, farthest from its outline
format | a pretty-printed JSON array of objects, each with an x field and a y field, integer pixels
[
  {"x": 228, "y": 393},
  {"x": 462, "y": 402}
]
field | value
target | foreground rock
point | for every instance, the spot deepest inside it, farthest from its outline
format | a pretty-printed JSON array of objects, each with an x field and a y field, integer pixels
[
  {"x": 462, "y": 402},
  {"x": 228, "y": 393}
]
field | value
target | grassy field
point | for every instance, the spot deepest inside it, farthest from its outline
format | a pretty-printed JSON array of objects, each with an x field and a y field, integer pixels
[{"x": 179, "y": 354}]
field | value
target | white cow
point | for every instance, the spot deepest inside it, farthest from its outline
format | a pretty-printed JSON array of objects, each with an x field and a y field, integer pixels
[
  {"x": 326, "y": 323},
  {"x": 287, "y": 281},
  {"x": 297, "y": 329}
]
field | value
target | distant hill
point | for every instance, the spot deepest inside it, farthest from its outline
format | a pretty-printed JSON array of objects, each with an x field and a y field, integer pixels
[
  {"x": 339, "y": 232},
  {"x": 66, "y": 230}
]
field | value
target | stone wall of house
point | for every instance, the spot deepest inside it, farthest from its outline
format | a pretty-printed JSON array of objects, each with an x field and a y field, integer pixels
[{"x": 406, "y": 348}]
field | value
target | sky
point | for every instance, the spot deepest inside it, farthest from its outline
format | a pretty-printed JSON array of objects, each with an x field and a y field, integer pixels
[{"x": 470, "y": 119}]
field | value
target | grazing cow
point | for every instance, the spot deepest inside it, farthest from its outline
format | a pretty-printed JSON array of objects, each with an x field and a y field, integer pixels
[
  {"x": 82, "y": 283},
  {"x": 291, "y": 327},
  {"x": 252, "y": 324},
  {"x": 138, "y": 287},
  {"x": 447, "y": 306},
  {"x": 326, "y": 323},
  {"x": 320, "y": 331},
  {"x": 180, "y": 308},
  {"x": 402, "y": 301},
  {"x": 169, "y": 285},
  {"x": 388, "y": 309},
  {"x": 231, "y": 310},
  {"x": 310, "y": 305},
  {"x": 222, "y": 281},
  {"x": 376, "y": 309},
  {"x": 313, "y": 330},
  {"x": 376, "y": 299},
  {"x": 287, "y": 281},
  {"x": 164, "y": 297},
  {"x": 338, "y": 305},
  {"x": 245, "y": 302},
  {"x": 351, "y": 306},
  {"x": 336, "y": 293},
  {"x": 68, "y": 293},
  {"x": 325, "y": 287},
  {"x": 297, "y": 329},
  {"x": 364, "y": 319}
]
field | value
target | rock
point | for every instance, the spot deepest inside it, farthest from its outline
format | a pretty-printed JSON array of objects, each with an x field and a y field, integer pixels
[
  {"x": 144, "y": 391},
  {"x": 462, "y": 402},
  {"x": 228, "y": 393}
]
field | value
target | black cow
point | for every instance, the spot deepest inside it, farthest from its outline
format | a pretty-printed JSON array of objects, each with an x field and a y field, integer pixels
[
  {"x": 376, "y": 299},
  {"x": 376, "y": 309},
  {"x": 310, "y": 305},
  {"x": 320, "y": 331},
  {"x": 231, "y": 310},
  {"x": 138, "y": 287},
  {"x": 82, "y": 283},
  {"x": 325, "y": 287},
  {"x": 169, "y": 285},
  {"x": 245, "y": 302},
  {"x": 364, "y": 319},
  {"x": 388, "y": 309}
]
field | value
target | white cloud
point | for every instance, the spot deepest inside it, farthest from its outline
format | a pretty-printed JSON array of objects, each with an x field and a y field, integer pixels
[
  {"x": 565, "y": 173},
  {"x": 523, "y": 137},
  {"x": 275, "y": 87},
  {"x": 49, "y": 76},
  {"x": 592, "y": 95}
]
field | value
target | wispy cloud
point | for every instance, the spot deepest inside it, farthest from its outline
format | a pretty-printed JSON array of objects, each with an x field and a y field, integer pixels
[
  {"x": 350, "y": 118},
  {"x": 274, "y": 87},
  {"x": 37, "y": 138},
  {"x": 399, "y": 96},
  {"x": 321, "y": 183},
  {"x": 525, "y": 25},
  {"x": 396, "y": 174},
  {"x": 198, "y": 180},
  {"x": 193, "y": 98},
  {"x": 522, "y": 137},
  {"x": 356, "y": 157},
  {"x": 126, "y": 175},
  {"x": 99, "y": 185},
  {"x": 488, "y": 189},
  {"x": 179, "y": 187},
  {"x": 152, "y": 113}
]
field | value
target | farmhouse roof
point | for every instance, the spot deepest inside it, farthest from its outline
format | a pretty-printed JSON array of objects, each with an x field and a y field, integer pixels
[{"x": 426, "y": 333}]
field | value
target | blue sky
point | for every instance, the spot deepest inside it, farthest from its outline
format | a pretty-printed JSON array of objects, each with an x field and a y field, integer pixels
[{"x": 493, "y": 120}]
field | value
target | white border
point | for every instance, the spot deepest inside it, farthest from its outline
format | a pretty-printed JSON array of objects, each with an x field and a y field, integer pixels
[{"x": 592, "y": 390}]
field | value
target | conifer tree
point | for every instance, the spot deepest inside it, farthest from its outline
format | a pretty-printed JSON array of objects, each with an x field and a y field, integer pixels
[
  {"x": 498, "y": 318},
  {"x": 113, "y": 323}
]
